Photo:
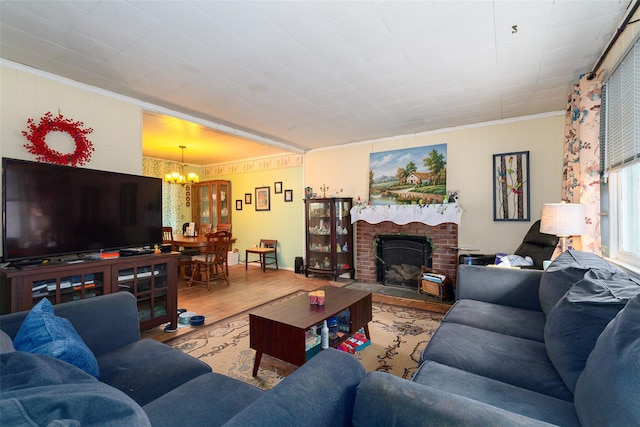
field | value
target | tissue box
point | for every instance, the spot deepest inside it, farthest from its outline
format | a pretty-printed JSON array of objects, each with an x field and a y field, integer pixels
[{"x": 232, "y": 258}]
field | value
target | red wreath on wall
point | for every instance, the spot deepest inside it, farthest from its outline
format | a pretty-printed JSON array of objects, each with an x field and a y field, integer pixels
[{"x": 37, "y": 135}]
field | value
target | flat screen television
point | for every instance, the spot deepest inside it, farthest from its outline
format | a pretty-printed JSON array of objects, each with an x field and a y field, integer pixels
[{"x": 51, "y": 210}]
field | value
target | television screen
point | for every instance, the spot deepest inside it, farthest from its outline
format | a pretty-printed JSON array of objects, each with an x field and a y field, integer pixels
[{"x": 51, "y": 210}]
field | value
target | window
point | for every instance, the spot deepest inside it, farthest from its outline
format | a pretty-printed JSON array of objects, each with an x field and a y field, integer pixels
[{"x": 620, "y": 131}]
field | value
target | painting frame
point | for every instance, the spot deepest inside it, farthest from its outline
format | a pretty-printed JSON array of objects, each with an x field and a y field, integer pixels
[
  {"x": 277, "y": 187},
  {"x": 288, "y": 195},
  {"x": 407, "y": 176},
  {"x": 238, "y": 205},
  {"x": 511, "y": 192},
  {"x": 247, "y": 198},
  {"x": 263, "y": 199}
]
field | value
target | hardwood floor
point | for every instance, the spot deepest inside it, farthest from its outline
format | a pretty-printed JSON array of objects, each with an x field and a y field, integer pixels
[{"x": 252, "y": 288}]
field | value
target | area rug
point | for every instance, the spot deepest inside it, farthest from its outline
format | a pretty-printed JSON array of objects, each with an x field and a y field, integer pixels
[{"x": 398, "y": 336}]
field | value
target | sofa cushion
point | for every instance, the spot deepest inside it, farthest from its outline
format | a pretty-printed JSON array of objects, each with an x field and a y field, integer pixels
[
  {"x": 41, "y": 390},
  {"x": 576, "y": 321},
  {"x": 323, "y": 389},
  {"x": 227, "y": 395},
  {"x": 384, "y": 400},
  {"x": 517, "y": 322},
  {"x": 607, "y": 390},
  {"x": 569, "y": 267},
  {"x": 147, "y": 369},
  {"x": 512, "y": 360},
  {"x": 43, "y": 332},
  {"x": 497, "y": 393},
  {"x": 6, "y": 345}
]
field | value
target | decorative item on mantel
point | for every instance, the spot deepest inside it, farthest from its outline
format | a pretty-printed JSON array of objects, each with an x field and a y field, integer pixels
[
  {"x": 324, "y": 189},
  {"x": 432, "y": 214}
]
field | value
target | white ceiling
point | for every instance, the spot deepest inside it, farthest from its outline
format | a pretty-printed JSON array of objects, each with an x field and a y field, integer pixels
[{"x": 312, "y": 74}]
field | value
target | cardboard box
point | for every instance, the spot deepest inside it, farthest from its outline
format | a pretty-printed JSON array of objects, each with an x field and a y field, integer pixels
[{"x": 232, "y": 258}]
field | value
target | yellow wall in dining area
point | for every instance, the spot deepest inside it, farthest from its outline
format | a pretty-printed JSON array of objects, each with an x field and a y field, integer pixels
[{"x": 284, "y": 221}]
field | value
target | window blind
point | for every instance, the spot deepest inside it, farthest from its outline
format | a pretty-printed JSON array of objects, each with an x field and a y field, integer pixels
[{"x": 622, "y": 108}]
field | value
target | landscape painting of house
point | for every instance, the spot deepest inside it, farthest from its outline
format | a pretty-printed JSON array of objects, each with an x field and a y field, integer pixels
[{"x": 408, "y": 176}]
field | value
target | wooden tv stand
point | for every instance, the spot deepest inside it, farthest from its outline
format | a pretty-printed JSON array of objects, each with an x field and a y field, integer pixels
[{"x": 152, "y": 279}]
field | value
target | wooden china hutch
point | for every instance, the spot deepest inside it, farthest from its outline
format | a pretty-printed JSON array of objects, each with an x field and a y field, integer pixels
[
  {"x": 212, "y": 203},
  {"x": 329, "y": 237}
]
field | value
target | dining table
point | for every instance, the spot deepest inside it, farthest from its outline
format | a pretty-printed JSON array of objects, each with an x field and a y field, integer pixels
[{"x": 199, "y": 242}]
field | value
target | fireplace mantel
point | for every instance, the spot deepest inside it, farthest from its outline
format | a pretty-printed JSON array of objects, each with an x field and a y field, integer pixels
[{"x": 404, "y": 214}]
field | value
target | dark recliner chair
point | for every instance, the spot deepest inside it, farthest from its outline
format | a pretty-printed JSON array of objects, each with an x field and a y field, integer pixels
[{"x": 539, "y": 246}]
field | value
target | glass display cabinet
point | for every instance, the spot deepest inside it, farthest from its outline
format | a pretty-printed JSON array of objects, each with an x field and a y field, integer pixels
[
  {"x": 329, "y": 237},
  {"x": 212, "y": 204}
]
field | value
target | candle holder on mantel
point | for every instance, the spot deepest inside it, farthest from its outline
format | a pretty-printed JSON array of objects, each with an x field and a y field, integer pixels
[{"x": 324, "y": 189}]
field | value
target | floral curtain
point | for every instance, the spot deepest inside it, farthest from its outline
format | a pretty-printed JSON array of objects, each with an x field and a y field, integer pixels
[
  {"x": 581, "y": 166},
  {"x": 172, "y": 195}
]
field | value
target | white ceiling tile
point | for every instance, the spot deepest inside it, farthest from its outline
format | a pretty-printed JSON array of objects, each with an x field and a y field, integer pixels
[
  {"x": 318, "y": 73},
  {"x": 124, "y": 15},
  {"x": 401, "y": 14},
  {"x": 31, "y": 23}
]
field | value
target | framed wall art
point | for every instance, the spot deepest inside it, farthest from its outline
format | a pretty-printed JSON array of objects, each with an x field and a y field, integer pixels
[
  {"x": 408, "y": 175},
  {"x": 288, "y": 195},
  {"x": 511, "y": 186},
  {"x": 263, "y": 198},
  {"x": 238, "y": 205},
  {"x": 277, "y": 187},
  {"x": 247, "y": 198}
]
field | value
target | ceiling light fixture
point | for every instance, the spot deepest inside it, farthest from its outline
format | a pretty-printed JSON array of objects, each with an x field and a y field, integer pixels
[{"x": 179, "y": 177}]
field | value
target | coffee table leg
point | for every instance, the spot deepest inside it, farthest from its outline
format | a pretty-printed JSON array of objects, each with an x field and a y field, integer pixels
[
  {"x": 366, "y": 331},
  {"x": 256, "y": 363}
]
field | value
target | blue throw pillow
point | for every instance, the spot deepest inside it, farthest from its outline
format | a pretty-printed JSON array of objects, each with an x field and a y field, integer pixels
[
  {"x": 42, "y": 332},
  {"x": 568, "y": 268},
  {"x": 578, "y": 319},
  {"x": 607, "y": 391}
]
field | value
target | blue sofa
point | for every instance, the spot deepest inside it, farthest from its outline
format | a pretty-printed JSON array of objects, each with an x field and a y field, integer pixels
[
  {"x": 523, "y": 347},
  {"x": 144, "y": 382}
]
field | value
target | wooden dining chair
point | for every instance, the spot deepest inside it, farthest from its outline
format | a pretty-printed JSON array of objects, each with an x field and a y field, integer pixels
[
  {"x": 204, "y": 229},
  {"x": 267, "y": 252},
  {"x": 213, "y": 263},
  {"x": 184, "y": 260},
  {"x": 223, "y": 227},
  {"x": 167, "y": 235}
]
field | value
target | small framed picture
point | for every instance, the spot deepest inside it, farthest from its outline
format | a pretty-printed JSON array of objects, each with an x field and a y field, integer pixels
[
  {"x": 247, "y": 198},
  {"x": 238, "y": 205},
  {"x": 277, "y": 187},
  {"x": 288, "y": 195},
  {"x": 263, "y": 198}
]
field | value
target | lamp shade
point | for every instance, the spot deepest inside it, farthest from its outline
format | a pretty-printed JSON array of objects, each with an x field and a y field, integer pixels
[{"x": 562, "y": 219}]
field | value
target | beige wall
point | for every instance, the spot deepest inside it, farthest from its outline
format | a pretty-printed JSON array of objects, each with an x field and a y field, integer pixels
[
  {"x": 469, "y": 170},
  {"x": 117, "y": 125},
  {"x": 284, "y": 221}
]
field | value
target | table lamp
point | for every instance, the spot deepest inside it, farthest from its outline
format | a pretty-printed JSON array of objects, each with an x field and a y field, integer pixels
[{"x": 563, "y": 220}]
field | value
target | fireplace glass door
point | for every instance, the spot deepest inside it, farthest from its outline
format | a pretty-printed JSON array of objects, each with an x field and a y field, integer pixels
[{"x": 329, "y": 237}]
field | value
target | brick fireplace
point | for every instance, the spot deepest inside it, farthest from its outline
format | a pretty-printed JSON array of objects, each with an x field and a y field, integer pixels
[{"x": 444, "y": 236}]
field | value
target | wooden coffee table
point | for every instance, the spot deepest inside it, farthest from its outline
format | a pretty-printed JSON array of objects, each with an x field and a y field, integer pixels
[{"x": 279, "y": 329}]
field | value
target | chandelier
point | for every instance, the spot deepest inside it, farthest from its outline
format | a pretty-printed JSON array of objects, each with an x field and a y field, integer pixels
[{"x": 179, "y": 177}]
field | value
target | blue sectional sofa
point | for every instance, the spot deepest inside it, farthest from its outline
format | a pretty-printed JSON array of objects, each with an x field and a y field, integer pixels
[
  {"x": 518, "y": 348},
  {"x": 523, "y": 347},
  {"x": 144, "y": 382}
]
